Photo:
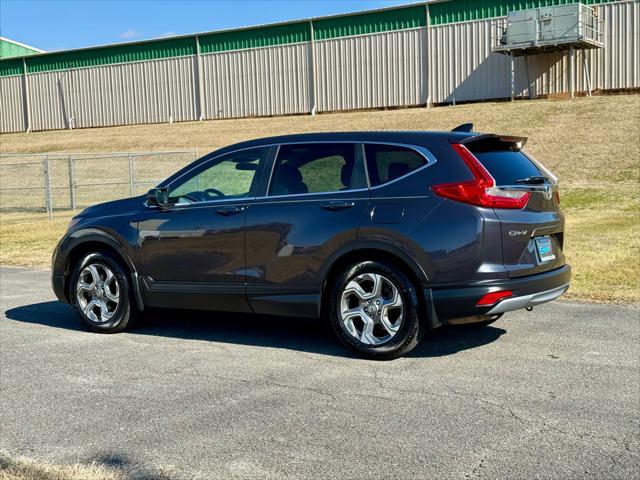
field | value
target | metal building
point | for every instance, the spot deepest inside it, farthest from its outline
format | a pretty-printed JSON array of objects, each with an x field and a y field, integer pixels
[
  {"x": 421, "y": 54},
  {"x": 11, "y": 48}
]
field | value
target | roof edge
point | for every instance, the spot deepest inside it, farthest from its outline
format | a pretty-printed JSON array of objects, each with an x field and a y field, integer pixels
[
  {"x": 23, "y": 45},
  {"x": 233, "y": 29}
]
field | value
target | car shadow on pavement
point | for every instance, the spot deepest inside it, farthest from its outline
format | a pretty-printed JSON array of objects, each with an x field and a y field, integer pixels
[
  {"x": 301, "y": 334},
  {"x": 130, "y": 468}
]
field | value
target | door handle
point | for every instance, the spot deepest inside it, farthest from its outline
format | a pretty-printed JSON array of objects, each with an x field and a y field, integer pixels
[
  {"x": 339, "y": 205},
  {"x": 228, "y": 211}
]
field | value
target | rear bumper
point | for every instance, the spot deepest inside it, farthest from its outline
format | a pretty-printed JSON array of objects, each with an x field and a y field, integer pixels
[{"x": 460, "y": 301}]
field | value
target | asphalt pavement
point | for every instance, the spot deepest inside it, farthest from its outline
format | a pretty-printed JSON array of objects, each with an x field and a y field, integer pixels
[{"x": 554, "y": 393}]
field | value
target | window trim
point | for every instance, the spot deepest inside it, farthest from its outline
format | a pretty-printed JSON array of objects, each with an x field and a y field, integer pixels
[
  {"x": 273, "y": 156},
  {"x": 419, "y": 149}
]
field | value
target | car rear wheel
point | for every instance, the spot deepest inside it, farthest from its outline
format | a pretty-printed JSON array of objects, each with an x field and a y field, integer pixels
[
  {"x": 100, "y": 292},
  {"x": 374, "y": 311}
]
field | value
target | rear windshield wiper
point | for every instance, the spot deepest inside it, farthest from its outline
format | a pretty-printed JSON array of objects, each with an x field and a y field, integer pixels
[{"x": 535, "y": 180}]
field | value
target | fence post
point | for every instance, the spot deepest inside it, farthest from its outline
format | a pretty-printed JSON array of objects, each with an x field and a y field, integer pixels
[
  {"x": 72, "y": 184},
  {"x": 47, "y": 186},
  {"x": 132, "y": 187}
]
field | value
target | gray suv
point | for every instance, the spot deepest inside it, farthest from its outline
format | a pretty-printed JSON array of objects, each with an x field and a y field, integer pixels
[{"x": 385, "y": 235}]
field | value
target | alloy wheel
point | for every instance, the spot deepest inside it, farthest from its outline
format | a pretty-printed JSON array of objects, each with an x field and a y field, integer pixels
[
  {"x": 98, "y": 293},
  {"x": 371, "y": 309}
]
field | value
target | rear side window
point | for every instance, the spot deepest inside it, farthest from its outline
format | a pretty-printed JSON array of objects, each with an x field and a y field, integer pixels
[
  {"x": 316, "y": 168},
  {"x": 389, "y": 162},
  {"x": 507, "y": 166}
]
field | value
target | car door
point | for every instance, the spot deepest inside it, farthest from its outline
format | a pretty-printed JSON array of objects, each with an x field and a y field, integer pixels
[
  {"x": 316, "y": 198},
  {"x": 192, "y": 253}
]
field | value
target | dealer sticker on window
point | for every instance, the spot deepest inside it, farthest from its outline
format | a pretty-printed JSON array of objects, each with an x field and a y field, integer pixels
[{"x": 545, "y": 249}]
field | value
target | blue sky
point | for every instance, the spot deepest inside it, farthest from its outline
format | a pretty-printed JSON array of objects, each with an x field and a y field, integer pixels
[{"x": 58, "y": 25}]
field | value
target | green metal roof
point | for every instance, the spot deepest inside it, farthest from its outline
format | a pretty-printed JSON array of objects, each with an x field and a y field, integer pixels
[
  {"x": 463, "y": 10},
  {"x": 11, "y": 66},
  {"x": 394, "y": 18},
  {"x": 255, "y": 37},
  {"x": 174, "y": 47},
  {"x": 370, "y": 22},
  {"x": 10, "y": 48}
]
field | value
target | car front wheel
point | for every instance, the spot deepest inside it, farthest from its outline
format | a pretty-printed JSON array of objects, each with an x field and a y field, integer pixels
[
  {"x": 374, "y": 311},
  {"x": 101, "y": 294}
]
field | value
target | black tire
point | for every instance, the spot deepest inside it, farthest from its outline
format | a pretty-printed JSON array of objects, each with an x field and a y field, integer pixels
[
  {"x": 411, "y": 329},
  {"x": 125, "y": 312}
]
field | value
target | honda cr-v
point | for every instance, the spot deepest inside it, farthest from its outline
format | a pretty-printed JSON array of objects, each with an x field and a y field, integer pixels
[{"x": 384, "y": 234}]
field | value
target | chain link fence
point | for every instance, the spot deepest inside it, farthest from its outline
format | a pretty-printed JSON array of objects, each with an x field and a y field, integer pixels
[{"x": 37, "y": 186}]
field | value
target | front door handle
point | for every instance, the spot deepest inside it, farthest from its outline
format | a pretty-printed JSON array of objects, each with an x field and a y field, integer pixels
[
  {"x": 339, "y": 205},
  {"x": 228, "y": 211}
]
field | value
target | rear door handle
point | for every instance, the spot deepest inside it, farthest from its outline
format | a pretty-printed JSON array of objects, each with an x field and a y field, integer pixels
[
  {"x": 228, "y": 211},
  {"x": 338, "y": 205}
]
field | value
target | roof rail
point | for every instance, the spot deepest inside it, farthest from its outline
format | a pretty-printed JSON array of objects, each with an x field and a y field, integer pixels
[{"x": 465, "y": 127}]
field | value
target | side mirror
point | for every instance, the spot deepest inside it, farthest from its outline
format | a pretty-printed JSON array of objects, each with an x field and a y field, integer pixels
[{"x": 158, "y": 197}]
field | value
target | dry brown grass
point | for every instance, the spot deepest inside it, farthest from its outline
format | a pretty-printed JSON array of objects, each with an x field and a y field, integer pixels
[
  {"x": 578, "y": 138},
  {"x": 592, "y": 144},
  {"x": 23, "y": 468},
  {"x": 603, "y": 243},
  {"x": 30, "y": 244}
]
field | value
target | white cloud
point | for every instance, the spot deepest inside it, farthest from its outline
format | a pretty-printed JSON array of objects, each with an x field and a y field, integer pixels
[
  {"x": 169, "y": 34},
  {"x": 128, "y": 34}
]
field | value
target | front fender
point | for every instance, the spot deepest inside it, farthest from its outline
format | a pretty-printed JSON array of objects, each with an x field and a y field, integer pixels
[{"x": 124, "y": 245}]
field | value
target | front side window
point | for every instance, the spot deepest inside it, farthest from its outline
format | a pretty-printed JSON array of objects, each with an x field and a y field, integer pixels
[
  {"x": 315, "y": 168},
  {"x": 226, "y": 177},
  {"x": 386, "y": 163}
]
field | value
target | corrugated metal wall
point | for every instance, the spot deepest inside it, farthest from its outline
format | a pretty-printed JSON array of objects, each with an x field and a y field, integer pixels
[
  {"x": 12, "y": 107},
  {"x": 618, "y": 65},
  {"x": 125, "y": 94},
  {"x": 464, "y": 66},
  {"x": 384, "y": 69},
  {"x": 257, "y": 82},
  {"x": 369, "y": 71}
]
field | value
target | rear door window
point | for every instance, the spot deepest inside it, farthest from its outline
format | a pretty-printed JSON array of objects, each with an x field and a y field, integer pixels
[
  {"x": 316, "y": 168},
  {"x": 507, "y": 166},
  {"x": 386, "y": 163}
]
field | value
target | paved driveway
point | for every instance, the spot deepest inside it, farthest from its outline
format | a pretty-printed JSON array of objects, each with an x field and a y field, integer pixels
[{"x": 549, "y": 394}]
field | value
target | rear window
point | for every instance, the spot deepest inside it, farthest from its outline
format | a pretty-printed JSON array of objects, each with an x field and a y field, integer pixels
[
  {"x": 507, "y": 166},
  {"x": 389, "y": 162}
]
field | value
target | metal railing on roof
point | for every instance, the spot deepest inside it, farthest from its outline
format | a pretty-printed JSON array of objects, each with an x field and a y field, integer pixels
[{"x": 579, "y": 29}]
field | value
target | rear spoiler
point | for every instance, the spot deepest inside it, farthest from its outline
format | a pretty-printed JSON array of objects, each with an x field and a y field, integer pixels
[{"x": 490, "y": 140}]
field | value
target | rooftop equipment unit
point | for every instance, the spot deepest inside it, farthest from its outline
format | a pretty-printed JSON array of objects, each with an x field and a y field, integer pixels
[{"x": 549, "y": 29}]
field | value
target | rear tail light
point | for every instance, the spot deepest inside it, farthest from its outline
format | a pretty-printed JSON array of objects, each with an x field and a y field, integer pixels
[
  {"x": 482, "y": 190},
  {"x": 557, "y": 197},
  {"x": 494, "y": 297}
]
